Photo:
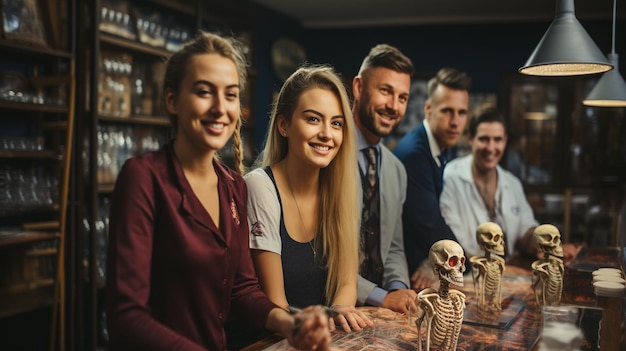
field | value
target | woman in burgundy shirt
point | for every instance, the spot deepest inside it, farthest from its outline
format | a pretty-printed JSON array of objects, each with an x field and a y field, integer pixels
[{"x": 178, "y": 252}]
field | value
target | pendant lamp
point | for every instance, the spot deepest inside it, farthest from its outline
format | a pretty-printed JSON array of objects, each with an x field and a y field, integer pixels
[
  {"x": 610, "y": 91},
  {"x": 566, "y": 49}
]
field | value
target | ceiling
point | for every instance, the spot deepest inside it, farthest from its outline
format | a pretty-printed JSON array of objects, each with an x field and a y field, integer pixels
[{"x": 367, "y": 13}]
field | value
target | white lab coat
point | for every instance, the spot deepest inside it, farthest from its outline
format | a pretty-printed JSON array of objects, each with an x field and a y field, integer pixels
[{"x": 464, "y": 209}]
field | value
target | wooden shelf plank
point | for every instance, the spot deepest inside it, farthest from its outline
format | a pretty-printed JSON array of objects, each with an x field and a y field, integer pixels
[
  {"x": 133, "y": 45},
  {"x": 31, "y": 210},
  {"x": 179, "y": 6},
  {"x": 50, "y": 80},
  {"x": 26, "y": 287},
  {"x": 20, "y": 50},
  {"x": 15, "y": 238},
  {"x": 106, "y": 188},
  {"x": 23, "y": 106},
  {"x": 137, "y": 119},
  {"x": 39, "y": 226},
  {"x": 42, "y": 252},
  {"x": 58, "y": 125},
  {"x": 33, "y": 154},
  {"x": 12, "y": 304}
]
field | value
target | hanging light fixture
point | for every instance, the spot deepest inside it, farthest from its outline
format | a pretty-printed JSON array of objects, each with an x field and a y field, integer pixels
[
  {"x": 566, "y": 49},
  {"x": 610, "y": 91}
]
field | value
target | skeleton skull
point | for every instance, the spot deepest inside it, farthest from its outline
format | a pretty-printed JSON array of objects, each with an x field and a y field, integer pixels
[
  {"x": 448, "y": 261},
  {"x": 548, "y": 239},
  {"x": 490, "y": 238}
]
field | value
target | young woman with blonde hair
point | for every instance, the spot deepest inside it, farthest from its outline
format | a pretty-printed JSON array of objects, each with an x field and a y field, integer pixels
[{"x": 302, "y": 208}]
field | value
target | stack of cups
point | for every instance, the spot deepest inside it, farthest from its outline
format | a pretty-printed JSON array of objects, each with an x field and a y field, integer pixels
[
  {"x": 608, "y": 282},
  {"x": 609, "y": 286}
]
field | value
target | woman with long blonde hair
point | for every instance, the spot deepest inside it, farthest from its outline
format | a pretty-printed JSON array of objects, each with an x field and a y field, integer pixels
[{"x": 302, "y": 207}]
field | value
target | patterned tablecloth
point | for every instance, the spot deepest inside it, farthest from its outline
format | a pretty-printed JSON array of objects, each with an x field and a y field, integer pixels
[{"x": 517, "y": 327}]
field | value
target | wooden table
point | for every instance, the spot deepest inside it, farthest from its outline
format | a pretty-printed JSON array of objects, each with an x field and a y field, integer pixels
[{"x": 519, "y": 329}]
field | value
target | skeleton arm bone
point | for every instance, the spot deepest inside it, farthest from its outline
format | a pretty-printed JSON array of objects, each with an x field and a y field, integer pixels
[{"x": 425, "y": 310}]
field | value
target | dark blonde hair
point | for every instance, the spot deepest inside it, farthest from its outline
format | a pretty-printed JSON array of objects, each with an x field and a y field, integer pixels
[
  {"x": 487, "y": 115},
  {"x": 208, "y": 43},
  {"x": 387, "y": 56},
  {"x": 337, "y": 184},
  {"x": 450, "y": 78}
]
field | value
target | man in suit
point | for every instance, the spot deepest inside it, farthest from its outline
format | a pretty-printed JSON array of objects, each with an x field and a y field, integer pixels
[
  {"x": 424, "y": 152},
  {"x": 381, "y": 91}
]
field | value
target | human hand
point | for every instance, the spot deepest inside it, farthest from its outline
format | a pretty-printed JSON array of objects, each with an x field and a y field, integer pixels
[
  {"x": 349, "y": 318},
  {"x": 423, "y": 277},
  {"x": 570, "y": 251},
  {"x": 311, "y": 330},
  {"x": 402, "y": 300}
]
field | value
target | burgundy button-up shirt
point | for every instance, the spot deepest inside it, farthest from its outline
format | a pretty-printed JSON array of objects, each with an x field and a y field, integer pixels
[{"x": 172, "y": 274}]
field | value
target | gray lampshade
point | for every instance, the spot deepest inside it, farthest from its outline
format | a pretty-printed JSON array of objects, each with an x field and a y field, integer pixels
[
  {"x": 566, "y": 49},
  {"x": 610, "y": 91}
]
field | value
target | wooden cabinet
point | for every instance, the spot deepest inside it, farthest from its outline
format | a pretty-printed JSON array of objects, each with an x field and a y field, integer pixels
[
  {"x": 570, "y": 157},
  {"x": 37, "y": 95},
  {"x": 122, "y": 116}
]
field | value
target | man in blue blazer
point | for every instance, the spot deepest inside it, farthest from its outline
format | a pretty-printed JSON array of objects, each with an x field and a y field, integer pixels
[
  {"x": 424, "y": 152},
  {"x": 381, "y": 92}
]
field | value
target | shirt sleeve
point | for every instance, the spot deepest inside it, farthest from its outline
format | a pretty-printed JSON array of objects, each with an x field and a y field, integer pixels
[
  {"x": 395, "y": 265},
  {"x": 264, "y": 212},
  {"x": 247, "y": 296},
  {"x": 396, "y": 285},
  {"x": 376, "y": 297}
]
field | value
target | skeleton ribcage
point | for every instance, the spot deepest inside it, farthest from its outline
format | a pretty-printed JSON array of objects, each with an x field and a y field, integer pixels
[
  {"x": 555, "y": 285},
  {"x": 492, "y": 282},
  {"x": 446, "y": 324}
]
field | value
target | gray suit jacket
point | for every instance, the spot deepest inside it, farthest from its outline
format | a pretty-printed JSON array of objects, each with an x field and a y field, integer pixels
[{"x": 393, "y": 180}]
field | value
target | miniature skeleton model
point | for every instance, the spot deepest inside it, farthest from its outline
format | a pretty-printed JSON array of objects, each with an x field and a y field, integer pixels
[
  {"x": 442, "y": 311},
  {"x": 548, "y": 272},
  {"x": 487, "y": 270}
]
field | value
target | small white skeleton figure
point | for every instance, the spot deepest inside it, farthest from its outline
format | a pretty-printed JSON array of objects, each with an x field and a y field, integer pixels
[
  {"x": 548, "y": 272},
  {"x": 442, "y": 311},
  {"x": 488, "y": 270}
]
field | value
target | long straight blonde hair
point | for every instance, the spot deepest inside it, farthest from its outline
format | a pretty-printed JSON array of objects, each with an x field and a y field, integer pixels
[{"x": 338, "y": 213}]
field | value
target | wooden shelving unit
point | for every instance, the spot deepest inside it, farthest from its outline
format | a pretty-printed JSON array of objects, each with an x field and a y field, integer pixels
[{"x": 34, "y": 219}]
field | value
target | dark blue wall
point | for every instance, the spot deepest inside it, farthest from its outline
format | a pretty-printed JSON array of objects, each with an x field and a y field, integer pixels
[
  {"x": 482, "y": 50},
  {"x": 485, "y": 51},
  {"x": 271, "y": 26}
]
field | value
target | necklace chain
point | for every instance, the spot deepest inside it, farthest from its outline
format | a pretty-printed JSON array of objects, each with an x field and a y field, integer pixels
[{"x": 306, "y": 231}]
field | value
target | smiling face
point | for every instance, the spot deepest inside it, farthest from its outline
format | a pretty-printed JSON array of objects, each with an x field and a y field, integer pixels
[
  {"x": 446, "y": 112},
  {"x": 381, "y": 95},
  {"x": 488, "y": 145},
  {"x": 315, "y": 131},
  {"x": 206, "y": 103}
]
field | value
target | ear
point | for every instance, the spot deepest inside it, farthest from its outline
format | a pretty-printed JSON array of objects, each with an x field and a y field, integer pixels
[
  {"x": 282, "y": 125},
  {"x": 357, "y": 85},
  {"x": 427, "y": 108},
  {"x": 170, "y": 101}
]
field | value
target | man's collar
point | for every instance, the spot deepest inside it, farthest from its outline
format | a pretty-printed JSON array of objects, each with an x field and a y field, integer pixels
[
  {"x": 362, "y": 143},
  {"x": 432, "y": 142}
]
